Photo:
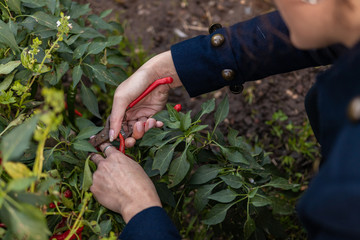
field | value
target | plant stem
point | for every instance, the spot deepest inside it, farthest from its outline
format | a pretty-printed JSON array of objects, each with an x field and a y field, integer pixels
[
  {"x": 77, "y": 222},
  {"x": 39, "y": 160}
]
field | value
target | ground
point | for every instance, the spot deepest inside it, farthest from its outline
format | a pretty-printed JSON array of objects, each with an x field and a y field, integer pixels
[{"x": 160, "y": 23}]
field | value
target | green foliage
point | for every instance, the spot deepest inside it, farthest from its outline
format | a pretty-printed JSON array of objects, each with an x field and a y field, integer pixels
[
  {"x": 53, "y": 47},
  {"x": 224, "y": 174},
  {"x": 297, "y": 140}
]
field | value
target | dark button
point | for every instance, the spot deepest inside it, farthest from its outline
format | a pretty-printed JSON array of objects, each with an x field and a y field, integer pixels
[
  {"x": 217, "y": 40},
  {"x": 354, "y": 110},
  {"x": 228, "y": 74},
  {"x": 236, "y": 89},
  {"x": 214, "y": 27}
]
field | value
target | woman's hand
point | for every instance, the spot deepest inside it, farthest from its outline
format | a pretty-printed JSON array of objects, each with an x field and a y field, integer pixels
[
  {"x": 121, "y": 185},
  {"x": 138, "y": 117}
]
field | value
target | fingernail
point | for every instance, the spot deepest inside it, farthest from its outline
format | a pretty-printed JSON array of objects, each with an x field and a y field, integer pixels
[
  {"x": 151, "y": 124},
  {"x": 139, "y": 127},
  {"x": 111, "y": 135}
]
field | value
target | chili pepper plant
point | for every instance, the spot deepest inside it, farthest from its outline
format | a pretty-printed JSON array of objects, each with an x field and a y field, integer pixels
[{"x": 54, "y": 56}]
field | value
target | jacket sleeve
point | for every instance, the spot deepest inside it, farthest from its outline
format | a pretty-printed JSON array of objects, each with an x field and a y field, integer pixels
[
  {"x": 151, "y": 223},
  {"x": 253, "y": 49}
]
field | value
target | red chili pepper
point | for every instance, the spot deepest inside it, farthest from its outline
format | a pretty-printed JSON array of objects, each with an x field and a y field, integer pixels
[
  {"x": 68, "y": 193},
  {"x": 75, "y": 111},
  {"x": 65, "y": 234},
  {"x": 178, "y": 107},
  {"x": 122, "y": 143}
]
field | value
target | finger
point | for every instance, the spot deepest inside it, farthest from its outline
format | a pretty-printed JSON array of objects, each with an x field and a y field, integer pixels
[
  {"x": 130, "y": 142},
  {"x": 139, "y": 130},
  {"x": 150, "y": 123},
  {"x": 108, "y": 149},
  {"x": 96, "y": 158},
  {"x": 159, "y": 124}
]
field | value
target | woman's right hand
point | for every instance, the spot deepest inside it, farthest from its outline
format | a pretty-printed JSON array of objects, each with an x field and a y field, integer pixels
[{"x": 139, "y": 117}]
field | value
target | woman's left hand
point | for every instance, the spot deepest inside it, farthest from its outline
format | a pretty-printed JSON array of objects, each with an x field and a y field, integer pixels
[{"x": 121, "y": 185}]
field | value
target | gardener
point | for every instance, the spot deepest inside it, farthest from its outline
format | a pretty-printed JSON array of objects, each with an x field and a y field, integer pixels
[{"x": 229, "y": 57}]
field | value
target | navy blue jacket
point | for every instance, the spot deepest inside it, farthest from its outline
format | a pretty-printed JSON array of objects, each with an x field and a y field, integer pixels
[{"x": 330, "y": 209}]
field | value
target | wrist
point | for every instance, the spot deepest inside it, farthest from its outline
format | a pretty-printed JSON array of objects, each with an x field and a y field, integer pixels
[{"x": 129, "y": 212}]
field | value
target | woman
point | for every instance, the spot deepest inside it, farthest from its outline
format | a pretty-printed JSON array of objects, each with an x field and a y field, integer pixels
[{"x": 229, "y": 57}]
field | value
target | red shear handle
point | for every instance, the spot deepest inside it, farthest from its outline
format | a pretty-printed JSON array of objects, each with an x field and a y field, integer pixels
[{"x": 161, "y": 81}]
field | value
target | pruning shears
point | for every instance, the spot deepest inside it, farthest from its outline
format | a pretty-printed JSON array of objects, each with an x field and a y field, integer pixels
[{"x": 103, "y": 136}]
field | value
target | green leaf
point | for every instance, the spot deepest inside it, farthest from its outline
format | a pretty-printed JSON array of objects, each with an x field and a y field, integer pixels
[
  {"x": 87, "y": 179},
  {"x": 165, "y": 194},
  {"x": 105, "y": 227},
  {"x": 87, "y": 132},
  {"x": 163, "y": 158},
  {"x": 105, "y": 13},
  {"x": 83, "y": 145},
  {"x": 76, "y": 75},
  {"x": 234, "y": 156},
  {"x": 52, "y": 6},
  {"x": 201, "y": 195},
  {"x": 96, "y": 47},
  {"x": 282, "y": 183},
  {"x": 223, "y": 196},
  {"x": 67, "y": 203},
  {"x": 222, "y": 111},
  {"x": 113, "y": 40},
  {"x": 153, "y": 137},
  {"x": 14, "y": 5},
  {"x": 103, "y": 75},
  {"x": 252, "y": 192},
  {"x": 178, "y": 170},
  {"x": 78, "y": 10},
  {"x": 61, "y": 69},
  {"x": 217, "y": 214},
  {"x": 8, "y": 67},
  {"x": 232, "y": 137},
  {"x": 24, "y": 221},
  {"x": 205, "y": 173},
  {"x": 90, "y": 101},
  {"x": 197, "y": 128},
  {"x": 232, "y": 181},
  {"x": 249, "y": 228},
  {"x": 7, "y": 37},
  {"x": 4, "y": 85},
  {"x": 99, "y": 23},
  {"x": 80, "y": 50},
  {"x": 206, "y": 107},
  {"x": 260, "y": 201},
  {"x": 173, "y": 114},
  {"x": 72, "y": 39},
  {"x": 50, "y": 77},
  {"x": 36, "y": 3},
  {"x": 45, "y": 19},
  {"x": 17, "y": 141},
  {"x": 20, "y": 184},
  {"x": 185, "y": 121}
]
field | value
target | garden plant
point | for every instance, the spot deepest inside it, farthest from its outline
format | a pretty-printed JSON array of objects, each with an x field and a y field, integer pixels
[{"x": 56, "y": 60}]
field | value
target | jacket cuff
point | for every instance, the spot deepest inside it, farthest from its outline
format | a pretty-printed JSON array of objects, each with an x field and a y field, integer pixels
[
  {"x": 199, "y": 64},
  {"x": 151, "y": 223}
]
